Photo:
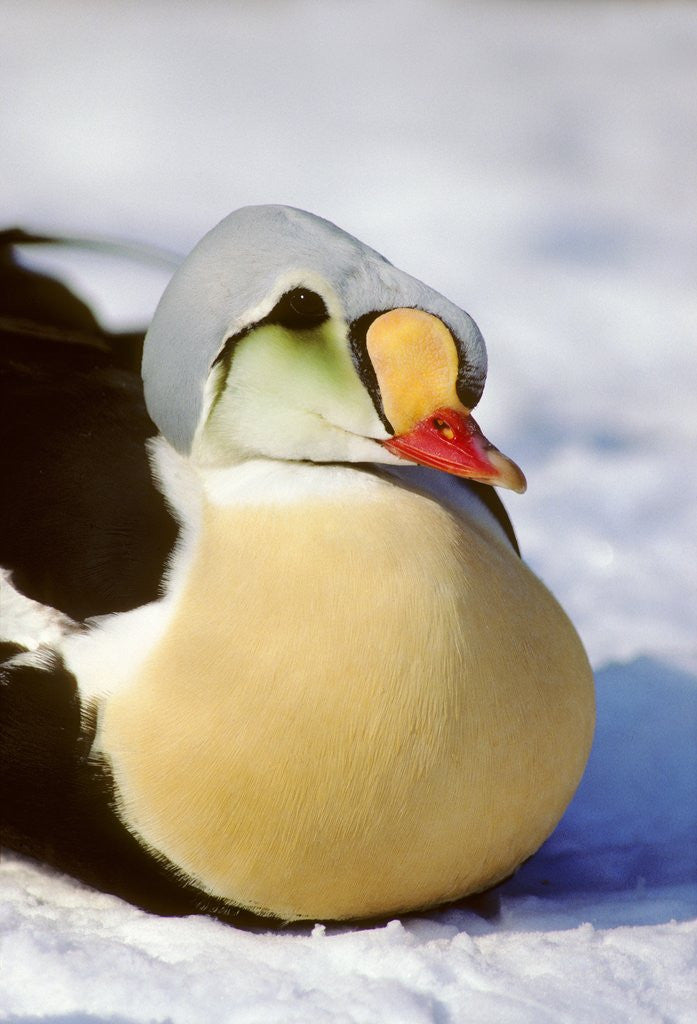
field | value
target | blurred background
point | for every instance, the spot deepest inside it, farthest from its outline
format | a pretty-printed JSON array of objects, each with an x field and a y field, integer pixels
[{"x": 534, "y": 160}]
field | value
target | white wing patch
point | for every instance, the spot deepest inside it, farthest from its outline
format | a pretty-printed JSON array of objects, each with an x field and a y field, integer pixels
[{"x": 29, "y": 623}]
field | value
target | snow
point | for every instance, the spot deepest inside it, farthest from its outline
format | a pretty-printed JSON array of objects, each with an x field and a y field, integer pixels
[
  {"x": 600, "y": 925},
  {"x": 535, "y": 162}
]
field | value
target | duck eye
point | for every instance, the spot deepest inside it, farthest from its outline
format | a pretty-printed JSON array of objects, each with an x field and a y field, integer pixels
[{"x": 299, "y": 309}]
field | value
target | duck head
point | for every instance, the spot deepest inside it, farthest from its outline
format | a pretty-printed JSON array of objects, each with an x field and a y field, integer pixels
[{"x": 283, "y": 337}]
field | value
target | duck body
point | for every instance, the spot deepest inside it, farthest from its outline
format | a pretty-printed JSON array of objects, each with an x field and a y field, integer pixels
[
  {"x": 348, "y": 698},
  {"x": 356, "y": 744}
]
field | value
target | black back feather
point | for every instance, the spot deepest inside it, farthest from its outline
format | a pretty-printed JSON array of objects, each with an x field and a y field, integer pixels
[{"x": 82, "y": 526}]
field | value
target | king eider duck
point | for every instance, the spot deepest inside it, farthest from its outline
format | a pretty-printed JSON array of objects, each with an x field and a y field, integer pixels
[{"x": 269, "y": 645}]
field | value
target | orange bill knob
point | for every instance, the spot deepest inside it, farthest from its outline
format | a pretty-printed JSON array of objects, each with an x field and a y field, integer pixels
[{"x": 451, "y": 440}]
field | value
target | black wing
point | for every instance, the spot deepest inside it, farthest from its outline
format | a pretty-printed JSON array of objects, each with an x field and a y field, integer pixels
[
  {"x": 489, "y": 497},
  {"x": 82, "y": 526}
]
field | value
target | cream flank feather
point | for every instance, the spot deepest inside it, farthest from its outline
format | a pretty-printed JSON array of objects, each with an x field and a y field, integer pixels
[{"x": 363, "y": 704}]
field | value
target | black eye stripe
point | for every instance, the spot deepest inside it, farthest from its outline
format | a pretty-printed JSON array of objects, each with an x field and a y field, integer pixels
[
  {"x": 230, "y": 344},
  {"x": 299, "y": 309},
  {"x": 361, "y": 360}
]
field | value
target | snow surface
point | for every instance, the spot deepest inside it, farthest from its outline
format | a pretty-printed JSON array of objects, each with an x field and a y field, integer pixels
[{"x": 536, "y": 163}]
